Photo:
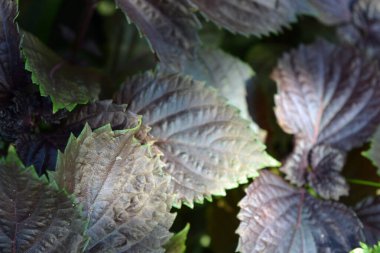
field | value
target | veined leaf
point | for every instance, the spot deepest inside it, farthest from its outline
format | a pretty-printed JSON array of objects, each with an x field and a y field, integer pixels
[
  {"x": 368, "y": 212},
  {"x": 330, "y": 12},
  {"x": 207, "y": 146},
  {"x": 256, "y": 17},
  {"x": 35, "y": 216},
  {"x": 170, "y": 27},
  {"x": 374, "y": 152},
  {"x": 327, "y": 95},
  {"x": 66, "y": 85},
  {"x": 177, "y": 243},
  {"x": 325, "y": 177},
  {"x": 276, "y": 217},
  {"x": 122, "y": 188}
]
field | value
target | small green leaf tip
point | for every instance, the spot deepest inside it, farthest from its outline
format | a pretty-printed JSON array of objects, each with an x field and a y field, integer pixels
[{"x": 177, "y": 243}]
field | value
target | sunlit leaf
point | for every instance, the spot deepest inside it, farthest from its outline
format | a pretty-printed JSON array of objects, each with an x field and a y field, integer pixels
[
  {"x": 65, "y": 84},
  {"x": 327, "y": 95},
  {"x": 177, "y": 243},
  {"x": 276, "y": 217},
  {"x": 122, "y": 188},
  {"x": 207, "y": 146},
  {"x": 325, "y": 177},
  {"x": 35, "y": 216},
  {"x": 169, "y": 25},
  {"x": 368, "y": 212}
]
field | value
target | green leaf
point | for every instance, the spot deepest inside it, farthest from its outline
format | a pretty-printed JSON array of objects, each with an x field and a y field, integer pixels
[
  {"x": 177, "y": 243},
  {"x": 207, "y": 146},
  {"x": 120, "y": 184},
  {"x": 373, "y": 153},
  {"x": 366, "y": 249},
  {"x": 36, "y": 216},
  {"x": 65, "y": 84}
]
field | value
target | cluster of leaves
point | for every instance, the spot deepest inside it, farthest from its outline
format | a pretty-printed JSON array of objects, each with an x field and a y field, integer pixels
[{"x": 111, "y": 170}]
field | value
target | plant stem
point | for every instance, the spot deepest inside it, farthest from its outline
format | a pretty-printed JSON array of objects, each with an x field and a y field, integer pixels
[{"x": 364, "y": 182}]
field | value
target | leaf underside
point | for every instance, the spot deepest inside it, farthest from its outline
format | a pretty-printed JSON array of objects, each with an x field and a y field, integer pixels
[
  {"x": 122, "y": 188},
  {"x": 66, "y": 85},
  {"x": 35, "y": 215},
  {"x": 276, "y": 217},
  {"x": 368, "y": 212},
  {"x": 207, "y": 146}
]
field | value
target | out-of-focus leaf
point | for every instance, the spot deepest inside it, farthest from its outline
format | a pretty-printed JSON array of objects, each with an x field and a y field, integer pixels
[
  {"x": 177, "y": 243},
  {"x": 169, "y": 25},
  {"x": 325, "y": 177},
  {"x": 330, "y": 12},
  {"x": 207, "y": 146},
  {"x": 276, "y": 217},
  {"x": 35, "y": 216},
  {"x": 373, "y": 153},
  {"x": 122, "y": 188},
  {"x": 366, "y": 249},
  {"x": 256, "y": 17},
  {"x": 364, "y": 29},
  {"x": 327, "y": 95},
  {"x": 65, "y": 84},
  {"x": 368, "y": 212}
]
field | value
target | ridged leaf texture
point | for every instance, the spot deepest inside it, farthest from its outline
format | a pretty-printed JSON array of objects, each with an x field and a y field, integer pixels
[
  {"x": 368, "y": 211},
  {"x": 326, "y": 95},
  {"x": 122, "y": 188},
  {"x": 207, "y": 146},
  {"x": 65, "y": 84},
  {"x": 36, "y": 216},
  {"x": 169, "y": 25},
  {"x": 275, "y": 217}
]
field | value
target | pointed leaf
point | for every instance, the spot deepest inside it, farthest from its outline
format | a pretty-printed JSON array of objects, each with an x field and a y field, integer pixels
[
  {"x": 374, "y": 152},
  {"x": 368, "y": 212},
  {"x": 35, "y": 215},
  {"x": 122, "y": 189},
  {"x": 66, "y": 85},
  {"x": 170, "y": 26},
  {"x": 276, "y": 217},
  {"x": 327, "y": 95},
  {"x": 207, "y": 146},
  {"x": 326, "y": 166},
  {"x": 177, "y": 243}
]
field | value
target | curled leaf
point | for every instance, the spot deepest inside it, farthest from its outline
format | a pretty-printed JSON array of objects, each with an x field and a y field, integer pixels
[
  {"x": 207, "y": 146},
  {"x": 122, "y": 188},
  {"x": 276, "y": 217},
  {"x": 36, "y": 216}
]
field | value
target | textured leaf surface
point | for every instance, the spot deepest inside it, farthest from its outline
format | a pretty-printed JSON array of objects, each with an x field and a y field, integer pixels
[
  {"x": 276, "y": 217},
  {"x": 374, "y": 152},
  {"x": 169, "y": 25},
  {"x": 122, "y": 189},
  {"x": 207, "y": 146},
  {"x": 177, "y": 243},
  {"x": 325, "y": 177},
  {"x": 330, "y": 12},
  {"x": 35, "y": 215},
  {"x": 256, "y": 17},
  {"x": 327, "y": 95},
  {"x": 66, "y": 85},
  {"x": 368, "y": 212}
]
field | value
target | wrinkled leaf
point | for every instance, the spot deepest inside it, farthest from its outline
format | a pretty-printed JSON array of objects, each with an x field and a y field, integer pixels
[
  {"x": 122, "y": 189},
  {"x": 325, "y": 177},
  {"x": 177, "y": 243},
  {"x": 368, "y": 212},
  {"x": 169, "y": 25},
  {"x": 65, "y": 84},
  {"x": 35, "y": 215},
  {"x": 207, "y": 146},
  {"x": 276, "y": 217},
  {"x": 374, "y": 152},
  {"x": 327, "y": 95}
]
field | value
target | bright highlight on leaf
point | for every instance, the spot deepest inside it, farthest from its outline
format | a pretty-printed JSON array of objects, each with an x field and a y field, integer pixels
[
  {"x": 66, "y": 85},
  {"x": 36, "y": 216},
  {"x": 207, "y": 146},
  {"x": 122, "y": 188},
  {"x": 275, "y": 217}
]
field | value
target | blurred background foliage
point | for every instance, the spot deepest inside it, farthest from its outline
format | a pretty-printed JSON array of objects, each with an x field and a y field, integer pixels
[{"x": 108, "y": 42}]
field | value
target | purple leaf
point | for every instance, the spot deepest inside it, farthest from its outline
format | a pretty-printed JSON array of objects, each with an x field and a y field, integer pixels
[
  {"x": 368, "y": 212},
  {"x": 325, "y": 177},
  {"x": 276, "y": 217},
  {"x": 330, "y": 12}
]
